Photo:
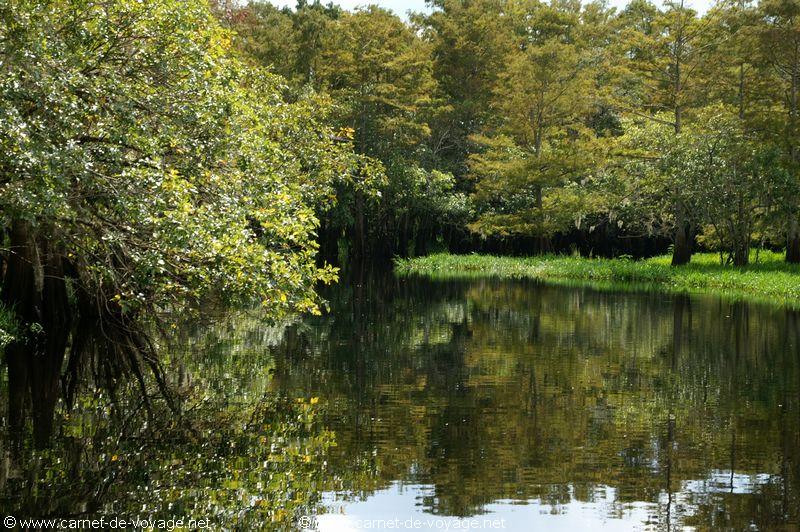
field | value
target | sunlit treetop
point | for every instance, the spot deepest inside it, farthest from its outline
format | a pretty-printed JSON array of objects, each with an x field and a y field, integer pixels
[{"x": 159, "y": 167}]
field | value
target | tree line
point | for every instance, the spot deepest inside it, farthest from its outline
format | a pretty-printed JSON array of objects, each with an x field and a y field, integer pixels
[
  {"x": 164, "y": 155},
  {"x": 531, "y": 126}
]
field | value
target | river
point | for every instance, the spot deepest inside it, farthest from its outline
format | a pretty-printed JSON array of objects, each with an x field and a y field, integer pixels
[{"x": 507, "y": 405}]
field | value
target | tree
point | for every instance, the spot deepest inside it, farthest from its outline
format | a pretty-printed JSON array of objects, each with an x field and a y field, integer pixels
[
  {"x": 541, "y": 140},
  {"x": 668, "y": 53},
  {"x": 287, "y": 42},
  {"x": 734, "y": 70},
  {"x": 735, "y": 174},
  {"x": 649, "y": 180},
  {"x": 780, "y": 37},
  {"x": 143, "y": 168},
  {"x": 722, "y": 171},
  {"x": 379, "y": 72},
  {"x": 267, "y": 35},
  {"x": 470, "y": 42}
]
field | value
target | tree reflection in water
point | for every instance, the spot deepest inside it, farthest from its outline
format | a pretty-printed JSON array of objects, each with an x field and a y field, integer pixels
[
  {"x": 512, "y": 391},
  {"x": 666, "y": 410}
]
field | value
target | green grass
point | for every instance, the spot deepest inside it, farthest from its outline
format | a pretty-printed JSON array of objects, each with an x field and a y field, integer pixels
[{"x": 770, "y": 278}]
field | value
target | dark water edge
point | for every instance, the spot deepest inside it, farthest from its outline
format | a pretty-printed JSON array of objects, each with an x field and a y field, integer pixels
[{"x": 544, "y": 405}]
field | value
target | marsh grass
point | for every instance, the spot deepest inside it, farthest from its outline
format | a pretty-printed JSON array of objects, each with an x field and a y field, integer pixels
[{"x": 768, "y": 277}]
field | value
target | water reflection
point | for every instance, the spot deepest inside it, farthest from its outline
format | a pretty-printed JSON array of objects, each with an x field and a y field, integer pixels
[
  {"x": 541, "y": 405},
  {"x": 488, "y": 391},
  {"x": 381, "y": 511}
]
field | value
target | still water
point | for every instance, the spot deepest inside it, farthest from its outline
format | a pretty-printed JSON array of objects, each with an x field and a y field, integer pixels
[
  {"x": 506, "y": 405},
  {"x": 557, "y": 407}
]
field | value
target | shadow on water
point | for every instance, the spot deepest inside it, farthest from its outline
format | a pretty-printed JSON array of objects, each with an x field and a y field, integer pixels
[{"x": 462, "y": 398}]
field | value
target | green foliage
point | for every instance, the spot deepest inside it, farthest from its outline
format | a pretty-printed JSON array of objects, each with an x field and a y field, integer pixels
[
  {"x": 154, "y": 152},
  {"x": 164, "y": 169},
  {"x": 520, "y": 193},
  {"x": 557, "y": 119},
  {"x": 541, "y": 146},
  {"x": 379, "y": 72},
  {"x": 725, "y": 175},
  {"x": 470, "y": 42},
  {"x": 8, "y": 326}
]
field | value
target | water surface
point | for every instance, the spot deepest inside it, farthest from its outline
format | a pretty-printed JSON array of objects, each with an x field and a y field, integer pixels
[
  {"x": 457, "y": 402},
  {"x": 554, "y": 407}
]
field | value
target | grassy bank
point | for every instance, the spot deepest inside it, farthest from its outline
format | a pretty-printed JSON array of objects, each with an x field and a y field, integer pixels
[{"x": 770, "y": 278}]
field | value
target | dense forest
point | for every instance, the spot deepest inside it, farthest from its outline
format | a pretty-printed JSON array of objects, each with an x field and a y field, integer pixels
[
  {"x": 162, "y": 154},
  {"x": 156, "y": 152},
  {"x": 524, "y": 126},
  {"x": 181, "y": 179}
]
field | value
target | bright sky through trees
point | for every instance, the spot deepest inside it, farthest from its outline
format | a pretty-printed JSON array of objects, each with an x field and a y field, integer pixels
[{"x": 401, "y": 7}]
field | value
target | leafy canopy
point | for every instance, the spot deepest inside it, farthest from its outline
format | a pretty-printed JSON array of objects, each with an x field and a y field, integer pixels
[{"x": 162, "y": 168}]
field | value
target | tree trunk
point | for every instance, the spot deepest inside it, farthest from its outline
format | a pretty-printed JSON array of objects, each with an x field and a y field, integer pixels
[
  {"x": 793, "y": 234},
  {"x": 34, "y": 287},
  {"x": 541, "y": 239},
  {"x": 741, "y": 91},
  {"x": 741, "y": 235},
  {"x": 542, "y": 245},
  {"x": 793, "y": 243},
  {"x": 741, "y": 254},
  {"x": 682, "y": 249}
]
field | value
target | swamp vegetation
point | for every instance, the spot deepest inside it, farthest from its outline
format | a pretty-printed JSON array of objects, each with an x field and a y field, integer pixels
[
  {"x": 199, "y": 205},
  {"x": 767, "y": 278}
]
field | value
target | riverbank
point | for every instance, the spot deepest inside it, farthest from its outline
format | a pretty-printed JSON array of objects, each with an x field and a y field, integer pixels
[{"x": 767, "y": 277}]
